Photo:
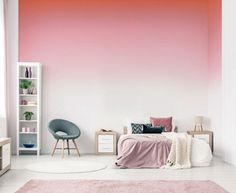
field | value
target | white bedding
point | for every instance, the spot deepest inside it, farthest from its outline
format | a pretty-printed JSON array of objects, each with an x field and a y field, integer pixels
[{"x": 201, "y": 153}]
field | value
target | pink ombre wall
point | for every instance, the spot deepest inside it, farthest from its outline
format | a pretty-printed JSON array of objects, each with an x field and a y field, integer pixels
[
  {"x": 107, "y": 61},
  {"x": 215, "y": 71}
]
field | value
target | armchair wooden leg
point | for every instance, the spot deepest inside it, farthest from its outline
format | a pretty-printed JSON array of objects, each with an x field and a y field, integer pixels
[
  {"x": 55, "y": 147},
  {"x": 76, "y": 147},
  {"x": 68, "y": 147},
  {"x": 63, "y": 148}
]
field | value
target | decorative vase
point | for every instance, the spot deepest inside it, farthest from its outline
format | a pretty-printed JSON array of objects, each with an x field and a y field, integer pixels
[
  {"x": 34, "y": 90},
  {"x": 25, "y": 91},
  {"x": 26, "y": 73},
  {"x": 28, "y": 118},
  {"x": 30, "y": 72}
]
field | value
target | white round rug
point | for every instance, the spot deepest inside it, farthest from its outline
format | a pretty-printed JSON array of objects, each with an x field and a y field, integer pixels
[{"x": 64, "y": 166}]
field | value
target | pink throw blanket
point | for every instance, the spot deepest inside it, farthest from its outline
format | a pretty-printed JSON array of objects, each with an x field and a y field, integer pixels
[{"x": 143, "y": 151}]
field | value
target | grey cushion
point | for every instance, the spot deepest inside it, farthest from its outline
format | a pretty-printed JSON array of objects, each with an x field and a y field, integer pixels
[{"x": 148, "y": 129}]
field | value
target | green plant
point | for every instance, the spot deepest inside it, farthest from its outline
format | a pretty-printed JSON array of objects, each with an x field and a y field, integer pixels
[
  {"x": 25, "y": 84},
  {"x": 28, "y": 115}
]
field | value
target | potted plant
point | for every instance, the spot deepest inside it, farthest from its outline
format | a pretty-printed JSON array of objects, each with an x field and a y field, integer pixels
[
  {"x": 25, "y": 85},
  {"x": 28, "y": 115}
]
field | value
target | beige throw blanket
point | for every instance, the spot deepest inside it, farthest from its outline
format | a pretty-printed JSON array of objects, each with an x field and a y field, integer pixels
[{"x": 179, "y": 157}]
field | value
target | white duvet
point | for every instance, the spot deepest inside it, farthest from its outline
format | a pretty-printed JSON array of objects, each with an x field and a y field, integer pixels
[{"x": 201, "y": 154}]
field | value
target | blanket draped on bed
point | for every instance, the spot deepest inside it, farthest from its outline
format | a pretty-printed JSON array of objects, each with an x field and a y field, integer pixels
[
  {"x": 179, "y": 156},
  {"x": 143, "y": 151},
  {"x": 166, "y": 150}
]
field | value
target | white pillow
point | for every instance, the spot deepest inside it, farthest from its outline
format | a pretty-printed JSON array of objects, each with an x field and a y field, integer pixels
[{"x": 201, "y": 153}]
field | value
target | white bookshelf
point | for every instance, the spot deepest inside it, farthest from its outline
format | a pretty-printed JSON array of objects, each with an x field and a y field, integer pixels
[{"x": 29, "y": 131}]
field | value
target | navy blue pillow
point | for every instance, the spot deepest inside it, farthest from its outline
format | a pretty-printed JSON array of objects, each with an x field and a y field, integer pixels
[
  {"x": 137, "y": 128},
  {"x": 149, "y": 129}
]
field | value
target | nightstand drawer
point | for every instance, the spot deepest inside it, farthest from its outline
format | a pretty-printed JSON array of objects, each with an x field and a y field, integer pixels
[
  {"x": 105, "y": 139},
  {"x": 105, "y": 148},
  {"x": 204, "y": 137}
]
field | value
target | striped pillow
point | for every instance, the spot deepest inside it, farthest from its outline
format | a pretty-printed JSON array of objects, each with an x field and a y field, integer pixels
[{"x": 137, "y": 128}]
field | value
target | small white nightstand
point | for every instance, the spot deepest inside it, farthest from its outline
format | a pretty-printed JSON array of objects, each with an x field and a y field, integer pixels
[
  {"x": 105, "y": 142},
  {"x": 203, "y": 135}
]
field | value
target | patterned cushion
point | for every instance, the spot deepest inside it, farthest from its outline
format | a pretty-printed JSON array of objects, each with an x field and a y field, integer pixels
[
  {"x": 165, "y": 122},
  {"x": 137, "y": 128}
]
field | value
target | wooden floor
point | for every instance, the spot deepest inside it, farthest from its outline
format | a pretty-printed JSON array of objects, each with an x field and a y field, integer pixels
[{"x": 219, "y": 172}]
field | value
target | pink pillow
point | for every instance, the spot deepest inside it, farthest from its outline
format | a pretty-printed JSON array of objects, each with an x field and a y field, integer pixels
[{"x": 165, "y": 122}]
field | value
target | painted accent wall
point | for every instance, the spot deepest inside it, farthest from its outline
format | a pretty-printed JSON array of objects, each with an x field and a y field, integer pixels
[
  {"x": 105, "y": 62},
  {"x": 215, "y": 72}
]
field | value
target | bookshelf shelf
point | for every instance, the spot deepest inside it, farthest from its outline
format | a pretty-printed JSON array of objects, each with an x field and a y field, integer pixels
[
  {"x": 28, "y": 95},
  {"x": 28, "y": 105},
  {"x": 23, "y": 78},
  {"x": 30, "y": 133}
]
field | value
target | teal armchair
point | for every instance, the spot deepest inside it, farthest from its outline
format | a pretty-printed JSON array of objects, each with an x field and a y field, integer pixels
[{"x": 64, "y": 130}]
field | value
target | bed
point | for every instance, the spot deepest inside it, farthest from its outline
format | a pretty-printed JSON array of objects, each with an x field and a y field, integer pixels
[{"x": 156, "y": 150}]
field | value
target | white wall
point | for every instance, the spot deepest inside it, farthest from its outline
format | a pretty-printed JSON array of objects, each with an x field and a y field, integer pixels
[
  {"x": 229, "y": 80},
  {"x": 3, "y": 130},
  {"x": 12, "y": 58}
]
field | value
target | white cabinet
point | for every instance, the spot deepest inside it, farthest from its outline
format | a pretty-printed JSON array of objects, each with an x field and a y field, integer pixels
[
  {"x": 5, "y": 155},
  {"x": 28, "y": 107},
  {"x": 105, "y": 142}
]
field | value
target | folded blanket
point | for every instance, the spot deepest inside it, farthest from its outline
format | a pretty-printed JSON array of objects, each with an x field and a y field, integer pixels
[{"x": 179, "y": 157}]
